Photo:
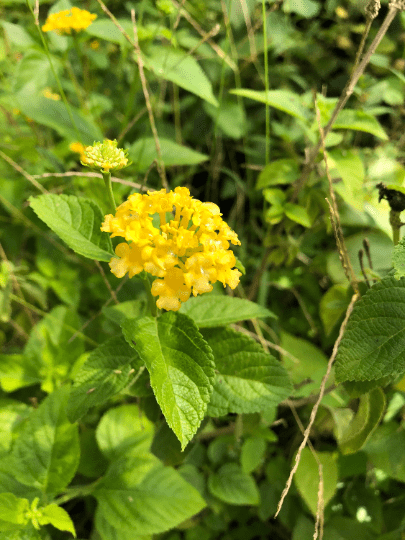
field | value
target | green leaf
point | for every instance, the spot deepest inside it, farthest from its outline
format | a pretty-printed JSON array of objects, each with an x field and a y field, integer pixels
[
  {"x": 143, "y": 153},
  {"x": 233, "y": 486},
  {"x": 12, "y": 413},
  {"x": 139, "y": 495},
  {"x": 305, "y": 8},
  {"x": 16, "y": 372},
  {"x": 208, "y": 311},
  {"x": 280, "y": 171},
  {"x": 398, "y": 259},
  {"x": 105, "y": 373},
  {"x": 366, "y": 420},
  {"x": 181, "y": 368},
  {"x": 77, "y": 221},
  {"x": 107, "y": 30},
  {"x": 283, "y": 100},
  {"x": 252, "y": 454},
  {"x": 17, "y": 35},
  {"x": 385, "y": 450},
  {"x": 54, "y": 114},
  {"x": 248, "y": 379},
  {"x": 180, "y": 68},
  {"x": 332, "y": 306},
  {"x": 298, "y": 214},
  {"x": 373, "y": 345},
  {"x": 307, "y": 477},
  {"x": 123, "y": 428},
  {"x": 351, "y": 169},
  {"x": 230, "y": 117},
  {"x": 108, "y": 532},
  {"x": 360, "y": 121},
  {"x": 46, "y": 454},
  {"x": 12, "y": 511},
  {"x": 58, "y": 517}
]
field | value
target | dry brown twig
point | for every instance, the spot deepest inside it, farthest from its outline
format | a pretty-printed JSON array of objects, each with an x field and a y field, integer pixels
[
  {"x": 372, "y": 10},
  {"x": 318, "y": 402}
]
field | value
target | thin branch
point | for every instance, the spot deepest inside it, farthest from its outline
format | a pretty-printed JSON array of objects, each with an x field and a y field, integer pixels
[
  {"x": 394, "y": 7},
  {"x": 318, "y": 402},
  {"x": 89, "y": 175},
  {"x": 21, "y": 171}
]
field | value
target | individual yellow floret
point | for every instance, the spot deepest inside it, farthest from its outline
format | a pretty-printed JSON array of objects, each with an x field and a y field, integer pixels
[{"x": 65, "y": 21}]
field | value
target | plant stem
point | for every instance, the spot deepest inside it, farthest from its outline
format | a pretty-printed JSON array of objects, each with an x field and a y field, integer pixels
[
  {"x": 151, "y": 300},
  {"x": 266, "y": 81},
  {"x": 107, "y": 182}
]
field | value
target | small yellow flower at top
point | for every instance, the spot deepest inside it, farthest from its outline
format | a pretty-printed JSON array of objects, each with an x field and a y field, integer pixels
[
  {"x": 105, "y": 156},
  {"x": 78, "y": 148},
  {"x": 187, "y": 252},
  {"x": 65, "y": 21},
  {"x": 47, "y": 92},
  {"x": 94, "y": 44}
]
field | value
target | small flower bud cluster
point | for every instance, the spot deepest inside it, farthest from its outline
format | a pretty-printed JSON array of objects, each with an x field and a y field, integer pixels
[
  {"x": 188, "y": 252},
  {"x": 105, "y": 156}
]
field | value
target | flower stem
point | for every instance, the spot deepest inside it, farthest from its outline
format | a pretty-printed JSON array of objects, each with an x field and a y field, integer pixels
[
  {"x": 107, "y": 182},
  {"x": 151, "y": 300}
]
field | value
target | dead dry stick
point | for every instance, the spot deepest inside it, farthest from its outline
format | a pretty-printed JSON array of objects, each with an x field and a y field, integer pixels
[
  {"x": 19, "y": 169},
  {"x": 318, "y": 402},
  {"x": 394, "y": 7}
]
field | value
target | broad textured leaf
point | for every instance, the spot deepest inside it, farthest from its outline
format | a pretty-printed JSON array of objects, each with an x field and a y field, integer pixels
[
  {"x": 248, "y": 379},
  {"x": 54, "y": 114},
  {"x": 181, "y": 368},
  {"x": 182, "y": 69},
  {"x": 143, "y": 152},
  {"x": 106, "y": 29},
  {"x": 58, "y": 517},
  {"x": 366, "y": 420},
  {"x": 359, "y": 121},
  {"x": 124, "y": 428},
  {"x": 46, "y": 454},
  {"x": 108, "y": 532},
  {"x": 231, "y": 485},
  {"x": 105, "y": 373},
  {"x": 77, "y": 221},
  {"x": 12, "y": 413},
  {"x": 283, "y": 100},
  {"x": 208, "y": 311},
  {"x": 279, "y": 171},
  {"x": 307, "y": 477},
  {"x": 9, "y": 483},
  {"x": 141, "y": 496},
  {"x": 373, "y": 345}
]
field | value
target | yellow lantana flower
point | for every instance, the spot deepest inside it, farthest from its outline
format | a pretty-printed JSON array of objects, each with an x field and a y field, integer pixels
[
  {"x": 187, "y": 252},
  {"x": 65, "y": 21},
  {"x": 78, "y": 148},
  {"x": 105, "y": 156}
]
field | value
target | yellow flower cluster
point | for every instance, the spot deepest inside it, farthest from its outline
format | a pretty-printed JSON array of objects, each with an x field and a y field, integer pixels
[
  {"x": 188, "y": 251},
  {"x": 47, "y": 92},
  {"x": 105, "y": 156},
  {"x": 78, "y": 148},
  {"x": 65, "y": 21}
]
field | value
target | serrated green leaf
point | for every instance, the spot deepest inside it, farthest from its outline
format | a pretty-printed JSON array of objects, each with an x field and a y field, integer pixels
[
  {"x": 364, "y": 423},
  {"x": 58, "y": 517},
  {"x": 141, "y": 496},
  {"x": 231, "y": 485},
  {"x": 280, "y": 171},
  {"x": 307, "y": 477},
  {"x": 124, "y": 428},
  {"x": 373, "y": 344},
  {"x": 180, "y": 365},
  {"x": 180, "y": 68},
  {"x": 143, "y": 152},
  {"x": 46, "y": 453},
  {"x": 283, "y": 100},
  {"x": 360, "y": 121},
  {"x": 105, "y": 373},
  {"x": 77, "y": 221},
  {"x": 248, "y": 379},
  {"x": 209, "y": 311}
]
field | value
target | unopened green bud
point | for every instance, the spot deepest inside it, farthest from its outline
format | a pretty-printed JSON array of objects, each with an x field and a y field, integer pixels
[{"x": 105, "y": 156}]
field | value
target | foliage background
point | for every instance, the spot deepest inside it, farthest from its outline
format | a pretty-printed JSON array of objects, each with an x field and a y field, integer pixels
[{"x": 219, "y": 138}]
